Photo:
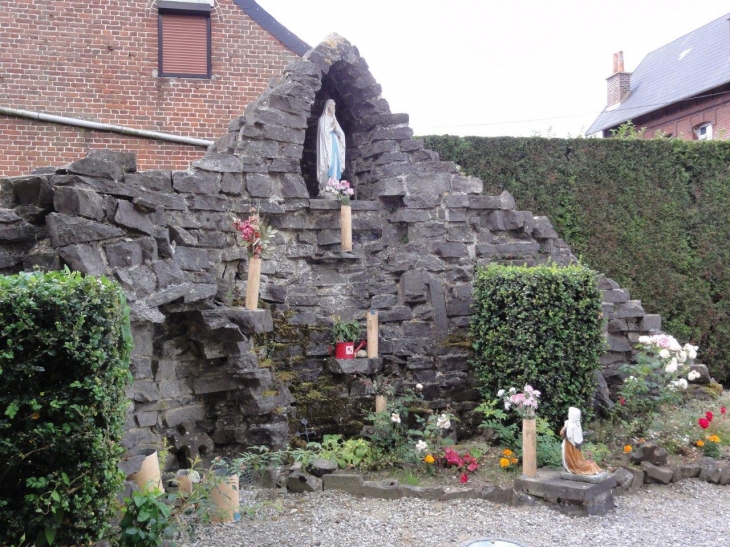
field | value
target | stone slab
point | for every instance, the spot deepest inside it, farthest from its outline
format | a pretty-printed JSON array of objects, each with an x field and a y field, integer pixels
[{"x": 574, "y": 497}]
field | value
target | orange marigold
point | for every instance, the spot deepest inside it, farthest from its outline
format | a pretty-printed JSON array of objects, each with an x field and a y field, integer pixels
[
  {"x": 627, "y": 448},
  {"x": 513, "y": 460},
  {"x": 503, "y": 463},
  {"x": 428, "y": 458},
  {"x": 700, "y": 443},
  {"x": 507, "y": 452},
  {"x": 713, "y": 438}
]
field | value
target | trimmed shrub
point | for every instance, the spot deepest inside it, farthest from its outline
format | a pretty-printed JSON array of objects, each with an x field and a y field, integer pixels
[
  {"x": 541, "y": 326},
  {"x": 651, "y": 214},
  {"x": 64, "y": 365}
]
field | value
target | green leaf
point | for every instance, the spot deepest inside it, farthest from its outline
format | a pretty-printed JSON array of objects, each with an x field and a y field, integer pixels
[{"x": 50, "y": 534}]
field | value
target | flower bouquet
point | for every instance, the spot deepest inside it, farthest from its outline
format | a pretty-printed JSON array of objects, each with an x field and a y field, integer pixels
[
  {"x": 256, "y": 235},
  {"x": 341, "y": 190},
  {"x": 524, "y": 403}
]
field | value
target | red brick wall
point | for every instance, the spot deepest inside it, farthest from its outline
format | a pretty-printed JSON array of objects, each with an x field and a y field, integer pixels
[
  {"x": 98, "y": 61},
  {"x": 679, "y": 120},
  {"x": 30, "y": 144}
]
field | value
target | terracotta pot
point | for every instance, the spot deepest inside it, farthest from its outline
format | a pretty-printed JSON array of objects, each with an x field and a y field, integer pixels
[
  {"x": 381, "y": 403},
  {"x": 148, "y": 477},
  {"x": 529, "y": 448},
  {"x": 186, "y": 478},
  {"x": 225, "y": 498},
  {"x": 254, "y": 281},
  {"x": 346, "y": 227}
]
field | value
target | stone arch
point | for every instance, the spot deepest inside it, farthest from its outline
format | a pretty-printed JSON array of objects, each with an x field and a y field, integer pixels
[{"x": 288, "y": 111}]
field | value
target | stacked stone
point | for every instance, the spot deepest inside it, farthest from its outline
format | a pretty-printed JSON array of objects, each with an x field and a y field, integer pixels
[{"x": 209, "y": 373}]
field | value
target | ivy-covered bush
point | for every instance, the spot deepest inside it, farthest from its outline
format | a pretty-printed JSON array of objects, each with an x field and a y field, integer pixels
[
  {"x": 540, "y": 326},
  {"x": 651, "y": 214},
  {"x": 64, "y": 365}
]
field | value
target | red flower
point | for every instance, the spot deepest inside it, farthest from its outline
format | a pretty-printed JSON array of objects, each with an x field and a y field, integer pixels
[
  {"x": 464, "y": 478},
  {"x": 704, "y": 423},
  {"x": 722, "y": 410},
  {"x": 621, "y": 401},
  {"x": 472, "y": 466},
  {"x": 709, "y": 416}
]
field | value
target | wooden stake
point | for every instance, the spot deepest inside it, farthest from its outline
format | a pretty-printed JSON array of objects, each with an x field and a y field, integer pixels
[
  {"x": 346, "y": 227},
  {"x": 254, "y": 280},
  {"x": 529, "y": 448},
  {"x": 372, "y": 322}
]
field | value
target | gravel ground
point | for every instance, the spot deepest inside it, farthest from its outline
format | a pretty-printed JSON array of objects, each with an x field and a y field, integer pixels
[{"x": 686, "y": 513}]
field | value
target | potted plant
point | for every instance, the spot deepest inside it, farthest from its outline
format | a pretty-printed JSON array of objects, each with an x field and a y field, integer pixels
[{"x": 344, "y": 334}]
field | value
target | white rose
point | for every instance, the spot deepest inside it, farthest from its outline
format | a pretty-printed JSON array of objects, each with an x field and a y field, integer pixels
[
  {"x": 500, "y": 393},
  {"x": 693, "y": 375},
  {"x": 682, "y": 383},
  {"x": 682, "y": 356},
  {"x": 664, "y": 354},
  {"x": 443, "y": 422},
  {"x": 421, "y": 446},
  {"x": 645, "y": 340},
  {"x": 673, "y": 344},
  {"x": 671, "y": 367},
  {"x": 419, "y": 387},
  {"x": 395, "y": 418}
]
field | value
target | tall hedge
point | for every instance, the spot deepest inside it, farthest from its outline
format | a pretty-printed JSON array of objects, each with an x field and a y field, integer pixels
[
  {"x": 652, "y": 214},
  {"x": 541, "y": 326},
  {"x": 64, "y": 365}
]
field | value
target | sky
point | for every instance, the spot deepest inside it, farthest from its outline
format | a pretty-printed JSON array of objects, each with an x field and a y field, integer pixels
[{"x": 497, "y": 67}]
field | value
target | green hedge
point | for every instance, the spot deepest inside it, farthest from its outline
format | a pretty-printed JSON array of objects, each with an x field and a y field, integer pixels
[
  {"x": 540, "y": 326},
  {"x": 652, "y": 214},
  {"x": 64, "y": 366}
]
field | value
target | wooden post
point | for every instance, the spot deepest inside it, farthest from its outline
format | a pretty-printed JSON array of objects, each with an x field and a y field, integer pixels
[
  {"x": 254, "y": 280},
  {"x": 529, "y": 448},
  {"x": 381, "y": 403},
  {"x": 372, "y": 334},
  {"x": 346, "y": 227}
]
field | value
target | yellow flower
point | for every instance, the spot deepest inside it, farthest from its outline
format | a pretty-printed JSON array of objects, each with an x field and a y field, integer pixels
[
  {"x": 428, "y": 458},
  {"x": 627, "y": 448},
  {"x": 513, "y": 460},
  {"x": 700, "y": 443},
  {"x": 507, "y": 452},
  {"x": 713, "y": 438},
  {"x": 503, "y": 462}
]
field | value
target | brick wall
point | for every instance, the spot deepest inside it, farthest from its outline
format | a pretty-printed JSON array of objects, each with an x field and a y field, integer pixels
[
  {"x": 98, "y": 61},
  {"x": 680, "y": 119},
  {"x": 29, "y": 145}
]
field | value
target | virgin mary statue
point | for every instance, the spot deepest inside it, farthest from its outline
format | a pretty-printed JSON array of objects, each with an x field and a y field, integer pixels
[{"x": 330, "y": 147}]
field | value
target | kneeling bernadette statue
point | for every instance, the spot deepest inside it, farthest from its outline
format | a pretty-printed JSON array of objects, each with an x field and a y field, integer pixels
[
  {"x": 330, "y": 147},
  {"x": 573, "y": 459}
]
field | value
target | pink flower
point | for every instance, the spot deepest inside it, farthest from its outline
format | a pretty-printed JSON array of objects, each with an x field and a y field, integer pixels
[
  {"x": 704, "y": 423},
  {"x": 709, "y": 415},
  {"x": 723, "y": 410},
  {"x": 663, "y": 341},
  {"x": 463, "y": 478}
]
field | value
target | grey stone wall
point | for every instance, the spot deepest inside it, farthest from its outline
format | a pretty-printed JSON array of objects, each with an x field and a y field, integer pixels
[{"x": 210, "y": 374}]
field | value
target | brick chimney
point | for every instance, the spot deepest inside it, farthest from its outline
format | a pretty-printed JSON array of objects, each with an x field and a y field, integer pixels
[{"x": 619, "y": 81}]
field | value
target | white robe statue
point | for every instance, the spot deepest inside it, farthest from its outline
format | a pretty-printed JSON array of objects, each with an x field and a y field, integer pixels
[{"x": 330, "y": 147}]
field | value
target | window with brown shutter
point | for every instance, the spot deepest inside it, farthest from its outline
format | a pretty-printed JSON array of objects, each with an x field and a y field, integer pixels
[{"x": 184, "y": 40}]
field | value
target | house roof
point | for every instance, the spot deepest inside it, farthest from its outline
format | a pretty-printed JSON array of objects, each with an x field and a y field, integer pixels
[
  {"x": 688, "y": 66},
  {"x": 279, "y": 31}
]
